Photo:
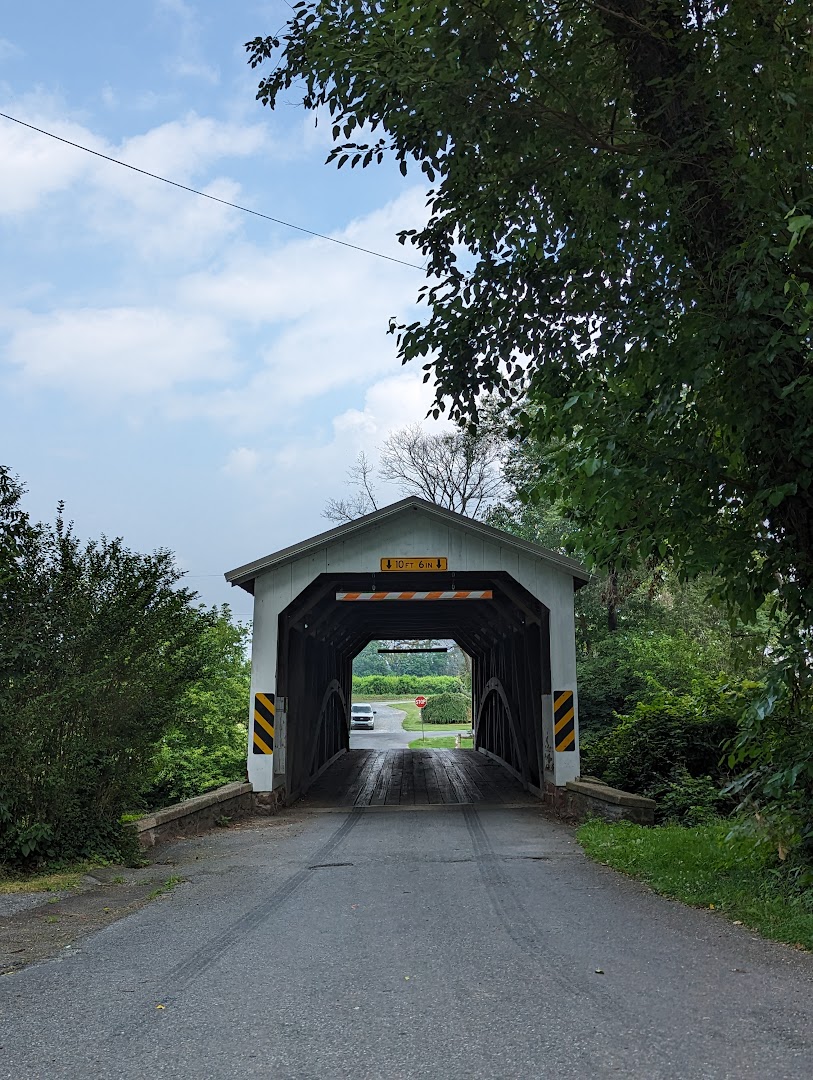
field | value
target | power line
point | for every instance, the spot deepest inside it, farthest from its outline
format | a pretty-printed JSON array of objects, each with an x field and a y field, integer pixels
[{"x": 212, "y": 198}]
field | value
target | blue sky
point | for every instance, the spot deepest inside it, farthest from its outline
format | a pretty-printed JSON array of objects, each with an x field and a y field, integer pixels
[{"x": 180, "y": 373}]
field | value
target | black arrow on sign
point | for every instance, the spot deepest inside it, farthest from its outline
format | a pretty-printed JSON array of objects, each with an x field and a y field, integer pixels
[
  {"x": 389, "y": 564},
  {"x": 440, "y": 564}
]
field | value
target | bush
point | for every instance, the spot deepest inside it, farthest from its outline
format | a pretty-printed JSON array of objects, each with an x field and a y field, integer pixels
[
  {"x": 400, "y": 685},
  {"x": 689, "y": 800},
  {"x": 627, "y": 667},
  {"x": 670, "y": 749},
  {"x": 773, "y": 756},
  {"x": 97, "y": 646},
  {"x": 206, "y": 745},
  {"x": 448, "y": 709}
]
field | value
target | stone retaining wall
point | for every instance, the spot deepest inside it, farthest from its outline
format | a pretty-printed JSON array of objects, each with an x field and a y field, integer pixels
[
  {"x": 580, "y": 799},
  {"x": 196, "y": 815}
]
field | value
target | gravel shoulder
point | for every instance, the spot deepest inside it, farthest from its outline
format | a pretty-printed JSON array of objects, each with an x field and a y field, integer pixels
[{"x": 36, "y": 926}]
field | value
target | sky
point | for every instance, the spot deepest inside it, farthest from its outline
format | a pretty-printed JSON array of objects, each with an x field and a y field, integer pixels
[{"x": 182, "y": 374}]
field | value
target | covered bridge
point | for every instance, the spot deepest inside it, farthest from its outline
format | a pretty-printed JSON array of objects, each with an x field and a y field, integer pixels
[{"x": 412, "y": 571}]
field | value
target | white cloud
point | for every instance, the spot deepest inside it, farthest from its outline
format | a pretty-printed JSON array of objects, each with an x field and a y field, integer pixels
[
  {"x": 306, "y": 320},
  {"x": 35, "y": 166},
  {"x": 309, "y": 472},
  {"x": 188, "y": 60},
  {"x": 103, "y": 353},
  {"x": 328, "y": 308},
  {"x": 154, "y": 220},
  {"x": 8, "y": 49},
  {"x": 241, "y": 462},
  {"x": 389, "y": 404},
  {"x": 181, "y": 148}
]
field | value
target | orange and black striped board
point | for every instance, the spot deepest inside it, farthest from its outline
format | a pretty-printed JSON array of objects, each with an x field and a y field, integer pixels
[
  {"x": 564, "y": 720},
  {"x": 263, "y": 733},
  {"x": 438, "y": 594}
]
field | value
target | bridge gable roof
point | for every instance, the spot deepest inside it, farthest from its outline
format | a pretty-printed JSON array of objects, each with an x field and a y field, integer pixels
[{"x": 244, "y": 575}]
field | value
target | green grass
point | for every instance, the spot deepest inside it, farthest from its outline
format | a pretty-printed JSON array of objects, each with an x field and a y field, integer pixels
[
  {"x": 403, "y": 704},
  {"x": 444, "y": 743},
  {"x": 700, "y": 867},
  {"x": 412, "y": 720},
  {"x": 168, "y": 886},
  {"x": 414, "y": 724},
  {"x": 50, "y": 881}
]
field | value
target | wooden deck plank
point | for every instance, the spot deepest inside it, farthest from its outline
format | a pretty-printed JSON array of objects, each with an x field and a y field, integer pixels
[
  {"x": 415, "y": 778},
  {"x": 394, "y": 793},
  {"x": 445, "y": 789},
  {"x": 461, "y": 792},
  {"x": 384, "y": 783},
  {"x": 433, "y": 792},
  {"x": 407, "y": 777},
  {"x": 421, "y": 789},
  {"x": 363, "y": 777}
]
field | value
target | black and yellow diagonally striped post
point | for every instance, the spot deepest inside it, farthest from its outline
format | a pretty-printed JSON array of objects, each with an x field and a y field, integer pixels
[
  {"x": 564, "y": 720},
  {"x": 263, "y": 733}
]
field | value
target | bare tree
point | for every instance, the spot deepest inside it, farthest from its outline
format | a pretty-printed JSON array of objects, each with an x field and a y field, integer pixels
[
  {"x": 362, "y": 501},
  {"x": 456, "y": 470}
]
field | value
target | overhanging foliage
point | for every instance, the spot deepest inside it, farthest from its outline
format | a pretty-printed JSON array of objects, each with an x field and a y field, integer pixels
[{"x": 619, "y": 243}]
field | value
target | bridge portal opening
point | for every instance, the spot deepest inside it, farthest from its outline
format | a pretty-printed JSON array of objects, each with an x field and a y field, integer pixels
[
  {"x": 413, "y": 572},
  {"x": 503, "y": 629}
]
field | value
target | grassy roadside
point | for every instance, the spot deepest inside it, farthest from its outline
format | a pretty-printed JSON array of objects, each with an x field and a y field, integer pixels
[
  {"x": 444, "y": 743},
  {"x": 412, "y": 719},
  {"x": 411, "y": 724},
  {"x": 49, "y": 881},
  {"x": 699, "y": 867},
  {"x": 405, "y": 705}
]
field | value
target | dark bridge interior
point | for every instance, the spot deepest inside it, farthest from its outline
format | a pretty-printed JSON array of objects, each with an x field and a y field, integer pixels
[{"x": 507, "y": 638}]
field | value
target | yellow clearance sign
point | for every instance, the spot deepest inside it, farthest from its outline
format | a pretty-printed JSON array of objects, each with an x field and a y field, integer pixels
[{"x": 412, "y": 564}]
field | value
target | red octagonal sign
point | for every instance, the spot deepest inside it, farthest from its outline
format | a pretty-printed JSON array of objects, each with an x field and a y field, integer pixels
[{"x": 420, "y": 702}]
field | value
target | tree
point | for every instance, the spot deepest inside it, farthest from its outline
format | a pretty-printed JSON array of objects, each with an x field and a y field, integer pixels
[
  {"x": 639, "y": 630},
  {"x": 98, "y": 645},
  {"x": 619, "y": 245},
  {"x": 362, "y": 501},
  {"x": 370, "y": 662},
  {"x": 455, "y": 469},
  {"x": 205, "y": 746}
]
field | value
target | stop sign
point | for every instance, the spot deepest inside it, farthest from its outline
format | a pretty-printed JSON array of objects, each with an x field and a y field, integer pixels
[{"x": 420, "y": 702}]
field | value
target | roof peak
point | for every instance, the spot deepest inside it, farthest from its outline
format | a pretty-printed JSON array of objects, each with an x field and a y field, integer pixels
[{"x": 242, "y": 575}]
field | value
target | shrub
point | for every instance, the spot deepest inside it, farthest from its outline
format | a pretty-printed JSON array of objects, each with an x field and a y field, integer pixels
[
  {"x": 448, "y": 709},
  {"x": 773, "y": 755},
  {"x": 665, "y": 747},
  {"x": 400, "y": 685},
  {"x": 206, "y": 744},
  {"x": 628, "y": 667},
  {"x": 689, "y": 800},
  {"x": 97, "y": 646}
]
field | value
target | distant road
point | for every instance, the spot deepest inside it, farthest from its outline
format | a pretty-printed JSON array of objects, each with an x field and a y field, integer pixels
[{"x": 388, "y": 733}]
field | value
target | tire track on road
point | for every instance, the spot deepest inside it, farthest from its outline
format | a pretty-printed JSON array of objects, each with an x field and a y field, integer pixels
[
  {"x": 209, "y": 953},
  {"x": 535, "y": 946}
]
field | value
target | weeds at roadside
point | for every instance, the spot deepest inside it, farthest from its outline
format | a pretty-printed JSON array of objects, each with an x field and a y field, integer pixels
[{"x": 167, "y": 887}]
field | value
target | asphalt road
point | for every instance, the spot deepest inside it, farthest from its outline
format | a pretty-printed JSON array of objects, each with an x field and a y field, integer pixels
[
  {"x": 446, "y": 943},
  {"x": 387, "y": 733}
]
